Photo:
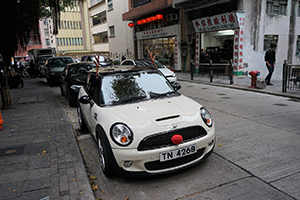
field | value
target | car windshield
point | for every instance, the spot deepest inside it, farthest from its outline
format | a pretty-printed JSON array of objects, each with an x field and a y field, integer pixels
[
  {"x": 43, "y": 59},
  {"x": 130, "y": 87},
  {"x": 79, "y": 71},
  {"x": 60, "y": 62}
]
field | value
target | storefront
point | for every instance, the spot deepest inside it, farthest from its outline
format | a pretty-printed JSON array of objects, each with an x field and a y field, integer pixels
[
  {"x": 224, "y": 32},
  {"x": 163, "y": 42}
]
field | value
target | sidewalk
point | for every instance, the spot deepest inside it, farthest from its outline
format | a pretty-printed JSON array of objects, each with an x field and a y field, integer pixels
[
  {"x": 241, "y": 83},
  {"x": 39, "y": 155}
]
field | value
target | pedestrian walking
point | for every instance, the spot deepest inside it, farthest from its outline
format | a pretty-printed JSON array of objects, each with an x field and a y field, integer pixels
[
  {"x": 270, "y": 59},
  {"x": 32, "y": 69},
  {"x": 215, "y": 56},
  {"x": 123, "y": 57},
  {"x": 202, "y": 60}
]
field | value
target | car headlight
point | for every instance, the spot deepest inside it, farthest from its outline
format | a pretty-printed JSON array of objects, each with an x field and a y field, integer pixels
[
  {"x": 76, "y": 88},
  {"x": 52, "y": 73},
  {"x": 206, "y": 116},
  {"x": 121, "y": 134},
  {"x": 174, "y": 75}
]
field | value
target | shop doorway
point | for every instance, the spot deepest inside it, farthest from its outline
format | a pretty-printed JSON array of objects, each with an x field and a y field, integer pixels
[
  {"x": 162, "y": 48},
  {"x": 222, "y": 40}
]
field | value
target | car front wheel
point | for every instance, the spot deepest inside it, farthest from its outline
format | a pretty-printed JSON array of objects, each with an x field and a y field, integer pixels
[
  {"x": 72, "y": 103},
  {"x": 104, "y": 159},
  {"x": 81, "y": 122}
]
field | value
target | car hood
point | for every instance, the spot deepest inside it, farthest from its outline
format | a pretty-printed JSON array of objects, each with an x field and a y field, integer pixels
[
  {"x": 166, "y": 71},
  {"x": 155, "y": 116}
]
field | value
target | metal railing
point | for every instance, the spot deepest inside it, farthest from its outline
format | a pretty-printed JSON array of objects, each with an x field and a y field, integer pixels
[
  {"x": 290, "y": 77},
  {"x": 212, "y": 67}
]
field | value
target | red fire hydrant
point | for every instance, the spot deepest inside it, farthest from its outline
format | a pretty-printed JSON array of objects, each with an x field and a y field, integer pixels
[{"x": 254, "y": 75}]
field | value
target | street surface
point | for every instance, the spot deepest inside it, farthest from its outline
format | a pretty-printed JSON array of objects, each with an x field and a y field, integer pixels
[{"x": 256, "y": 155}]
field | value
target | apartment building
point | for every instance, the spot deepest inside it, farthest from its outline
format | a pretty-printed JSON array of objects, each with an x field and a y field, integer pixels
[{"x": 110, "y": 35}]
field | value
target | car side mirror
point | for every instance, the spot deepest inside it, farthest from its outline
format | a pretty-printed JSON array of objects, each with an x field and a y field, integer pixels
[
  {"x": 176, "y": 86},
  {"x": 84, "y": 99}
]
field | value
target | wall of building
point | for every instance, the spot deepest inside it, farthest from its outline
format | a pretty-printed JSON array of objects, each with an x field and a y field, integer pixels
[
  {"x": 122, "y": 42},
  {"x": 258, "y": 24}
]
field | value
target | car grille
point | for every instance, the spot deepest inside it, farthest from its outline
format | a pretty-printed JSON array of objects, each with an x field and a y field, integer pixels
[
  {"x": 164, "y": 139},
  {"x": 157, "y": 165}
]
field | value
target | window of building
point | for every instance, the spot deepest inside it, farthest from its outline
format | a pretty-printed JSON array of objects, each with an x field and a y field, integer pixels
[
  {"x": 30, "y": 41},
  {"x": 68, "y": 24},
  {"x": 100, "y": 38},
  {"x": 110, "y": 4},
  {"x": 298, "y": 45},
  {"x": 71, "y": 24},
  {"x": 298, "y": 8},
  {"x": 94, "y": 2},
  {"x": 47, "y": 42},
  {"x": 45, "y": 21},
  {"x": 46, "y": 32},
  {"x": 74, "y": 25},
  {"x": 75, "y": 41},
  {"x": 60, "y": 41},
  {"x": 137, "y": 3},
  {"x": 67, "y": 41},
  {"x": 79, "y": 25},
  {"x": 70, "y": 41},
  {"x": 36, "y": 41},
  {"x": 64, "y": 41},
  {"x": 57, "y": 41},
  {"x": 268, "y": 39},
  {"x": 277, "y": 7},
  {"x": 112, "y": 30},
  {"x": 99, "y": 18},
  {"x": 65, "y": 24},
  {"x": 81, "y": 41},
  {"x": 78, "y": 41},
  {"x": 62, "y": 24}
]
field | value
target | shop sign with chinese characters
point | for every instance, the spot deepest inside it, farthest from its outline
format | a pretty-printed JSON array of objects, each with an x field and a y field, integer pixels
[
  {"x": 215, "y": 23},
  {"x": 157, "y": 33},
  {"x": 238, "y": 46}
]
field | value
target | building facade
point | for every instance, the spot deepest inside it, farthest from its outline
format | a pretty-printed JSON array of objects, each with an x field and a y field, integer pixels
[
  {"x": 156, "y": 27},
  {"x": 243, "y": 30}
]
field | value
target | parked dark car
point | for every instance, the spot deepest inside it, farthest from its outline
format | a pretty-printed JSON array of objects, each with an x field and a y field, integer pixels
[
  {"x": 105, "y": 61},
  {"x": 72, "y": 78},
  {"x": 54, "y": 68}
]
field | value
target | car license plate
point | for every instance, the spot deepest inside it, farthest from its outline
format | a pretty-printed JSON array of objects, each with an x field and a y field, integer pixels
[{"x": 177, "y": 153}]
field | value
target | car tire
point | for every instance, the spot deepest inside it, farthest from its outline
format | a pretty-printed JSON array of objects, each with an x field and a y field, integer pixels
[
  {"x": 104, "y": 158},
  {"x": 81, "y": 121},
  {"x": 61, "y": 91},
  {"x": 49, "y": 82},
  {"x": 71, "y": 103}
]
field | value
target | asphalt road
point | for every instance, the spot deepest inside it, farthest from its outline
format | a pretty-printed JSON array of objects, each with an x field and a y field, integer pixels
[{"x": 256, "y": 156}]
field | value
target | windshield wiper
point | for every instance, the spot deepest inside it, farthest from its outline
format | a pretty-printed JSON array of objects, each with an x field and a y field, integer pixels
[
  {"x": 158, "y": 95},
  {"x": 130, "y": 99}
]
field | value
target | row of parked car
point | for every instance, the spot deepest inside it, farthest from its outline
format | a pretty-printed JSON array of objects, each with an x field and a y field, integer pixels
[{"x": 142, "y": 124}]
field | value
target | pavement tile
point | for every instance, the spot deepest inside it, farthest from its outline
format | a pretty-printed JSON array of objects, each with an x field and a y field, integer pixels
[
  {"x": 39, "y": 164},
  {"x": 36, "y": 184}
]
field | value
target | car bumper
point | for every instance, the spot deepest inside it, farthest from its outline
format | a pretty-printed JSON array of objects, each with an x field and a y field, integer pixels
[{"x": 148, "y": 162}]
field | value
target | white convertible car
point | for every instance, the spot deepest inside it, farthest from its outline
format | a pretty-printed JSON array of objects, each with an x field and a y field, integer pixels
[{"x": 142, "y": 125}]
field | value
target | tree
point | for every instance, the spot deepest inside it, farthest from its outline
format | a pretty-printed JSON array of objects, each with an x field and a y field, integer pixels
[{"x": 19, "y": 19}]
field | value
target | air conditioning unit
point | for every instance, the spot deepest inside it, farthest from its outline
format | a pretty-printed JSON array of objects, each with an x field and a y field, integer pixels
[{"x": 172, "y": 16}]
